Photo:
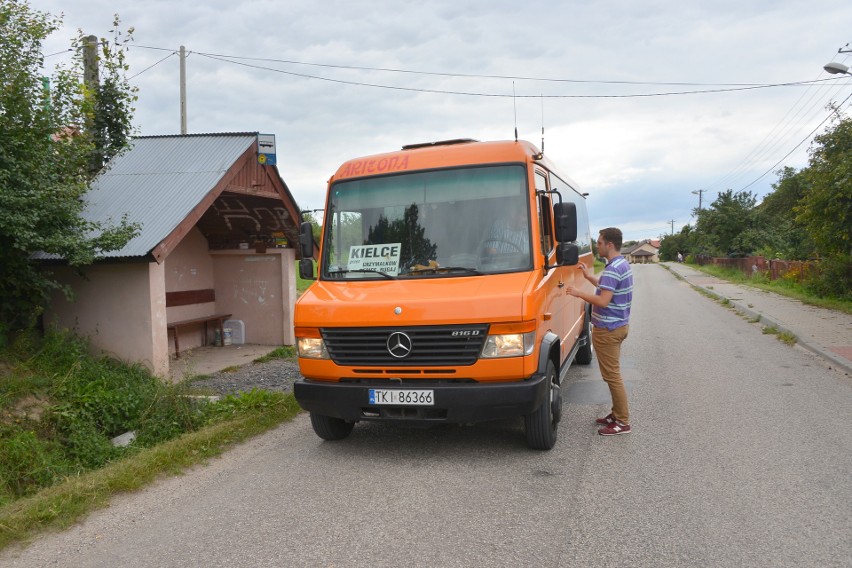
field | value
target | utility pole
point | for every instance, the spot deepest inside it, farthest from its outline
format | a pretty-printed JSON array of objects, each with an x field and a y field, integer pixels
[
  {"x": 90, "y": 62},
  {"x": 182, "y": 90},
  {"x": 672, "y": 222},
  {"x": 91, "y": 78},
  {"x": 699, "y": 192}
]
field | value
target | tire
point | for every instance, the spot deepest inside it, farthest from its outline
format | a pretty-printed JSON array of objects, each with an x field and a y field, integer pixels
[
  {"x": 586, "y": 352},
  {"x": 329, "y": 428},
  {"x": 541, "y": 425}
]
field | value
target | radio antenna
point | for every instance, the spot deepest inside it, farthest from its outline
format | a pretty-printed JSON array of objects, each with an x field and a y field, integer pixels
[
  {"x": 542, "y": 123},
  {"x": 515, "y": 106}
]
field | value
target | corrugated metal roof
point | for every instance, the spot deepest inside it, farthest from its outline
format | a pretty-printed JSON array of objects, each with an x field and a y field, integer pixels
[{"x": 158, "y": 182}]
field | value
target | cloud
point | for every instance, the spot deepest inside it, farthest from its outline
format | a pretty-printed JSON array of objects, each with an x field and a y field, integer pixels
[{"x": 639, "y": 158}]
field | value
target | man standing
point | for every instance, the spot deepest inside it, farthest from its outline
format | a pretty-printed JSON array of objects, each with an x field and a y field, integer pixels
[{"x": 610, "y": 318}]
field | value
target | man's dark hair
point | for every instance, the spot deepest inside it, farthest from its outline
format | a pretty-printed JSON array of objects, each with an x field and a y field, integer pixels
[{"x": 612, "y": 235}]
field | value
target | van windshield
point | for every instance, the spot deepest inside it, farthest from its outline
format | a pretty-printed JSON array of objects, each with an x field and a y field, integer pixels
[{"x": 444, "y": 223}]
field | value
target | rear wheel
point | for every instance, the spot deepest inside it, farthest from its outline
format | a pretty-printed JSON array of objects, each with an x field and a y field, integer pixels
[
  {"x": 329, "y": 428},
  {"x": 541, "y": 425}
]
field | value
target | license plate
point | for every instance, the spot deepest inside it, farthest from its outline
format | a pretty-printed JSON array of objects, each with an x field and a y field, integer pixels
[{"x": 407, "y": 397}]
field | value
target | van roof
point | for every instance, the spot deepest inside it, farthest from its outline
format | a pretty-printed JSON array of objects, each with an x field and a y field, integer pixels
[
  {"x": 433, "y": 155},
  {"x": 446, "y": 154}
]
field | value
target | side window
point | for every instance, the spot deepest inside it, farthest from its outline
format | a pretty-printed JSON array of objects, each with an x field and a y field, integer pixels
[
  {"x": 584, "y": 238},
  {"x": 544, "y": 217}
]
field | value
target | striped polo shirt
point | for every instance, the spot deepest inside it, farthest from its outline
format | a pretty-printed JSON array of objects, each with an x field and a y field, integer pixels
[{"x": 618, "y": 278}]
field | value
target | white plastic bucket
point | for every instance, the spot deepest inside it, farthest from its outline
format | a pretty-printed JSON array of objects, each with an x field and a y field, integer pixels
[{"x": 238, "y": 331}]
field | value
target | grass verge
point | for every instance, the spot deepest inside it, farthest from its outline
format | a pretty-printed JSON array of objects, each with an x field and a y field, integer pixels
[
  {"x": 781, "y": 286},
  {"x": 61, "y": 505},
  {"x": 283, "y": 352},
  {"x": 782, "y": 336}
]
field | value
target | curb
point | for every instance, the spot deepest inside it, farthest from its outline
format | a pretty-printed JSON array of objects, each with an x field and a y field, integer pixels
[{"x": 836, "y": 361}]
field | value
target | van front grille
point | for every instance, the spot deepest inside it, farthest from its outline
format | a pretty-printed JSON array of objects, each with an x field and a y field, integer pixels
[{"x": 405, "y": 346}]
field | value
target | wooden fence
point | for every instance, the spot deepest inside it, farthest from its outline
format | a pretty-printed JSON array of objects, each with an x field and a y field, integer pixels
[{"x": 791, "y": 269}]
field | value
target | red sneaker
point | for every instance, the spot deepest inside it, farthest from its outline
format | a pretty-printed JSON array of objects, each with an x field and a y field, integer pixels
[
  {"x": 615, "y": 428},
  {"x": 606, "y": 420}
]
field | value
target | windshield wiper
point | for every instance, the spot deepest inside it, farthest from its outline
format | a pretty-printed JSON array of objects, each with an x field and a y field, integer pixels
[
  {"x": 372, "y": 270},
  {"x": 436, "y": 269}
]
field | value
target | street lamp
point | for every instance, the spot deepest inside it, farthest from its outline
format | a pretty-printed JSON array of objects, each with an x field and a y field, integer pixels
[{"x": 836, "y": 68}]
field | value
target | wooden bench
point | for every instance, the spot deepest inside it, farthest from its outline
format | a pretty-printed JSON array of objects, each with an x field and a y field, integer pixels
[{"x": 189, "y": 297}]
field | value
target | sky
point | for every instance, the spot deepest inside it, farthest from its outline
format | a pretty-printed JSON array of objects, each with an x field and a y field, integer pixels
[{"x": 643, "y": 103}]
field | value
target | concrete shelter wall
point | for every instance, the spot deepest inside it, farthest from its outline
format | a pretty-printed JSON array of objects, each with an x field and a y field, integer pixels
[
  {"x": 260, "y": 290},
  {"x": 190, "y": 267},
  {"x": 121, "y": 308}
]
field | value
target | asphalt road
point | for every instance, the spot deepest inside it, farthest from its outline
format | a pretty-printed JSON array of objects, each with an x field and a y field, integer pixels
[{"x": 740, "y": 456}]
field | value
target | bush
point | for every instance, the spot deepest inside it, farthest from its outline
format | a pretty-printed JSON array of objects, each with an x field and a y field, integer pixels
[
  {"x": 170, "y": 415},
  {"x": 87, "y": 401},
  {"x": 106, "y": 394},
  {"x": 56, "y": 353},
  {"x": 84, "y": 401},
  {"x": 833, "y": 278},
  {"x": 28, "y": 463},
  {"x": 89, "y": 448}
]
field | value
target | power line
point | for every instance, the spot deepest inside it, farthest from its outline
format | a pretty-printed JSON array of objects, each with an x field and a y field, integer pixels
[
  {"x": 805, "y": 139},
  {"x": 152, "y": 66},
  {"x": 59, "y": 53},
  {"x": 766, "y": 146},
  {"x": 781, "y": 132},
  {"x": 802, "y": 111},
  {"x": 721, "y": 87},
  {"x": 505, "y": 95},
  {"x": 478, "y": 76}
]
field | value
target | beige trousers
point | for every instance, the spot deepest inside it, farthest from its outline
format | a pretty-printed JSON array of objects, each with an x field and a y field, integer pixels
[{"x": 608, "y": 351}]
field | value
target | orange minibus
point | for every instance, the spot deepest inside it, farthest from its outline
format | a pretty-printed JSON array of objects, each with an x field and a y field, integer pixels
[{"x": 440, "y": 290}]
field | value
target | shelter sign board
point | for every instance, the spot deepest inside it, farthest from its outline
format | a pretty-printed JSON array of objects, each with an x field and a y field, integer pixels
[{"x": 266, "y": 149}]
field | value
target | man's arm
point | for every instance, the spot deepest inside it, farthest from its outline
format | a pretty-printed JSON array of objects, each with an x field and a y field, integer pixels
[
  {"x": 601, "y": 301},
  {"x": 589, "y": 274}
]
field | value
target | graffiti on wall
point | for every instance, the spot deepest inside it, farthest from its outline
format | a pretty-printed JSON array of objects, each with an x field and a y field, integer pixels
[{"x": 235, "y": 211}]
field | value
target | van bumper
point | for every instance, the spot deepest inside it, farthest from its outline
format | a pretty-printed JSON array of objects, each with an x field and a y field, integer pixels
[{"x": 462, "y": 402}]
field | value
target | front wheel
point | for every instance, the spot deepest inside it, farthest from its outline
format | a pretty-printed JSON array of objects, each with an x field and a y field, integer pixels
[
  {"x": 329, "y": 428},
  {"x": 541, "y": 425},
  {"x": 585, "y": 353}
]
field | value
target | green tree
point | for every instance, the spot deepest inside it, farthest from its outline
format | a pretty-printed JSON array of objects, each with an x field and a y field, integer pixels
[
  {"x": 721, "y": 225},
  {"x": 113, "y": 96},
  {"x": 780, "y": 234},
  {"x": 682, "y": 242},
  {"x": 826, "y": 208},
  {"x": 46, "y": 143}
]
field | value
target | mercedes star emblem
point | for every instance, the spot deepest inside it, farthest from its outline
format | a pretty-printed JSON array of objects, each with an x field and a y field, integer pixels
[{"x": 399, "y": 344}]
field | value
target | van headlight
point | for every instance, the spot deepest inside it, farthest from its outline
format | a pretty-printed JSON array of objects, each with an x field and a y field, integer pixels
[
  {"x": 508, "y": 345},
  {"x": 311, "y": 348}
]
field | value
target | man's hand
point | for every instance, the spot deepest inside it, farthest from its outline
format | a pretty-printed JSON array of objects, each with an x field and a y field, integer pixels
[{"x": 588, "y": 272}]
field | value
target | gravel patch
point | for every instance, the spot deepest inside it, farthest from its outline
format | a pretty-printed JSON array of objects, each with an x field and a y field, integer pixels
[{"x": 276, "y": 375}]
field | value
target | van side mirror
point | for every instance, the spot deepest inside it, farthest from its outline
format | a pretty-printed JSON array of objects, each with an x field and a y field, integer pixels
[
  {"x": 567, "y": 254},
  {"x": 306, "y": 240},
  {"x": 565, "y": 217},
  {"x": 306, "y": 269}
]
